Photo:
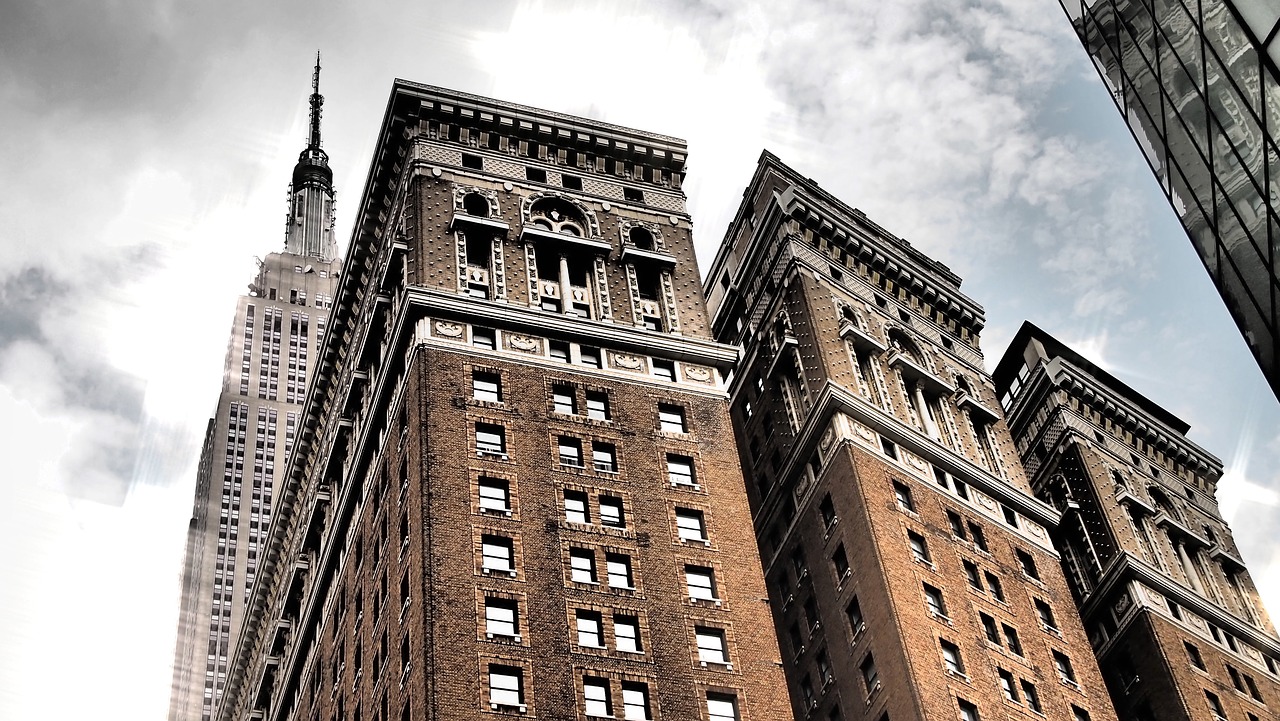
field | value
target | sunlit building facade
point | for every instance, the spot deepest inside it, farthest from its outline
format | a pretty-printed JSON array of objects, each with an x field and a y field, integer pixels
[
  {"x": 911, "y": 570},
  {"x": 513, "y": 493},
  {"x": 1171, "y": 611},
  {"x": 276, "y": 331},
  {"x": 1198, "y": 86}
]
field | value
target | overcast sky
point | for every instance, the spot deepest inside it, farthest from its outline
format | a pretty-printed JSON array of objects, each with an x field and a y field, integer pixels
[{"x": 147, "y": 147}]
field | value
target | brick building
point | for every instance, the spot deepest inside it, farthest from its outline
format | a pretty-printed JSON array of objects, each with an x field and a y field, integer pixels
[
  {"x": 1170, "y": 608},
  {"x": 277, "y": 327},
  {"x": 910, "y": 567},
  {"x": 513, "y": 495}
]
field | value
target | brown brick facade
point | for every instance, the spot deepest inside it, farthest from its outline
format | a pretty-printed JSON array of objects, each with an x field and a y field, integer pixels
[{"x": 895, "y": 522}]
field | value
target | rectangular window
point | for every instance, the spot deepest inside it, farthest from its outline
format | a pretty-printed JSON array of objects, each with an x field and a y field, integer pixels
[
  {"x": 889, "y": 448},
  {"x": 1010, "y": 516},
  {"x": 486, "y": 386},
  {"x": 951, "y": 658},
  {"x": 993, "y": 585},
  {"x": 903, "y": 495},
  {"x": 711, "y": 645},
  {"x": 1028, "y": 564},
  {"x": 571, "y": 182},
  {"x": 1032, "y": 696},
  {"x": 491, "y": 440},
  {"x": 598, "y": 405},
  {"x": 701, "y": 582},
  {"x": 1045, "y": 613},
  {"x": 570, "y": 452},
  {"x": 691, "y": 525},
  {"x": 559, "y": 351},
  {"x": 611, "y": 513},
  {"x": 854, "y": 613},
  {"x": 588, "y": 628},
  {"x": 666, "y": 370},
  {"x": 633, "y": 195},
  {"x": 840, "y": 560},
  {"x": 870, "y": 676},
  {"x": 506, "y": 686},
  {"x": 828, "y": 512},
  {"x": 1079, "y": 714},
  {"x": 957, "y": 525},
  {"x": 500, "y": 618},
  {"x": 919, "y": 549},
  {"x": 722, "y": 707},
  {"x": 582, "y": 565},
  {"x": 1063, "y": 666},
  {"x": 680, "y": 470},
  {"x": 563, "y": 400},
  {"x": 968, "y": 712},
  {"x": 1215, "y": 705},
  {"x": 483, "y": 337},
  {"x": 595, "y": 694},
  {"x": 590, "y": 356},
  {"x": 971, "y": 574},
  {"x": 933, "y": 599},
  {"x": 498, "y": 555},
  {"x": 575, "y": 507},
  {"x": 989, "y": 628},
  {"x": 635, "y": 701},
  {"x": 626, "y": 633},
  {"x": 1011, "y": 640},
  {"x": 618, "y": 568},
  {"x": 473, "y": 162},
  {"x": 536, "y": 175},
  {"x": 979, "y": 538},
  {"x": 1008, "y": 686},
  {"x": 671, "y": 418},
  {"x": 604, "y": 457},
  {"x": 495, "y": 495}
]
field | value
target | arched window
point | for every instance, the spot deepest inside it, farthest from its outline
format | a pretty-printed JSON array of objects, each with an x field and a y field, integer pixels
[
  {"x": 558, "y": 216},
  {"x": 475, "y": 204},
  {"x": 1162, "y": 502},
  {"x": 900, "y": 341},
  {"x": 641, "y": 238}
]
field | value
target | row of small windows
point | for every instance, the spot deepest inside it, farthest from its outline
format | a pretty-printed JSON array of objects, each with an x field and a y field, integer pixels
[
  {"x": 507, "y": 692},
  {"x": 533, "y": 174},
  {"x": 561, "y": 351},
  {"x": 491, "y": 440},
  {"x": 495, "y": 497},
  {"x": 487, "y": 386}
]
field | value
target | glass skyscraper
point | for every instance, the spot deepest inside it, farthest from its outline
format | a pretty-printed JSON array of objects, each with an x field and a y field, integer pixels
[{"x": 1196, "y": 81}]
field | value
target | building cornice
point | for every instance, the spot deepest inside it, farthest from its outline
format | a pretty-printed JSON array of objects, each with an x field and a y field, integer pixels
[{"x": 1126, "y": 567}]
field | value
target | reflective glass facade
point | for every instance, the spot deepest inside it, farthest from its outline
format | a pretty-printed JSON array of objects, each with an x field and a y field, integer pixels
[{"x": 1196, "y": 85}]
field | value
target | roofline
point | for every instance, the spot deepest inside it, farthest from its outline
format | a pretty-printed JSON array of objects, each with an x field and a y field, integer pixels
[{"x": 1013, "y": 358}]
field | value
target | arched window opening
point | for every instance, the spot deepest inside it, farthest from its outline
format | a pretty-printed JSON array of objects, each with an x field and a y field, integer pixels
[
  {"x": 641, "y": 238},
  {"x": 899, "y": 341},
  {"x": 558, "y": 216},
  {"x": 475, "y": 204}
]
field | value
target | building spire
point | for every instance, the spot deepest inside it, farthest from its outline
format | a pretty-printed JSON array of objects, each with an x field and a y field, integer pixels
[
  {"x": 317, "y": 101},
  {"x": 310, "y": 223}
]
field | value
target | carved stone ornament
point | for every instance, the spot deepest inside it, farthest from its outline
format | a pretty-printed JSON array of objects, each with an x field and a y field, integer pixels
[
  {"x": 827, "y": 439},
  {"x": 448, "y": 330},
  {"x": 648, "y": 307},
  {"x": 625, "y": 360},
  {"x": 524, "y": 343},
  {"x": 697, "y": 373},
  {"x": 865, "y": 431},
  {"x": 550, "y": 289},
  {"x": 1122, "y": 604}
]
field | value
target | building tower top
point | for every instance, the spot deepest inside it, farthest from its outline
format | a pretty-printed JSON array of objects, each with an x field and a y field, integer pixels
[{"x": 309, "y": 231}]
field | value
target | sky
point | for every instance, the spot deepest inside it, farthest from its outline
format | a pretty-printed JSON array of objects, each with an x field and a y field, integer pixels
[{"x": 145, "y": 155}]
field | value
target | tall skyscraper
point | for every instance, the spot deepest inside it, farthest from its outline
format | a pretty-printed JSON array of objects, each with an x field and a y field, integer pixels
[
  {"x": 276, "y": 330},
  {"x": 1171, "y": 611},
  {"x": 910, "y": 568},
  {"x": 1197, "y": 84},
  {"x": 513, "y": 492}
]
